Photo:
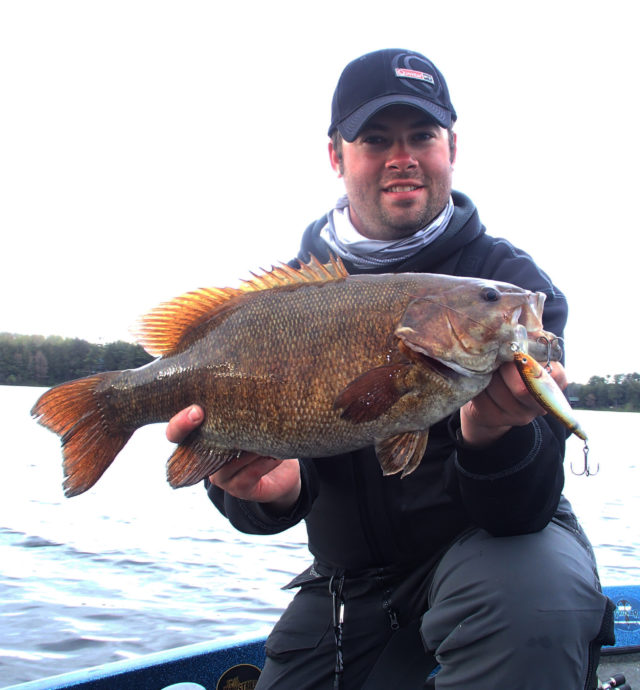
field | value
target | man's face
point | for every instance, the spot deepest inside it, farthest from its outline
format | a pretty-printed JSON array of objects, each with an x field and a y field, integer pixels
[{"x": 397, "y": 173}]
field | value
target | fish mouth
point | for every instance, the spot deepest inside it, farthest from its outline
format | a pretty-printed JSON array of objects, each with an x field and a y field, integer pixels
[
  {"x": 529, "y": 315},
  {"x": 528, "y": 333}
]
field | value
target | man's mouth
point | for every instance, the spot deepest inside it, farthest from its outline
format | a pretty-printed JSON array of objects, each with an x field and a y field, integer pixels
[
  {"x": 406, "y": 186},
  {"x": 398, "y": 189}
]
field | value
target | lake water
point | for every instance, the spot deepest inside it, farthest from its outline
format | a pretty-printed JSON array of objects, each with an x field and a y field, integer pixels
[{"x": 133, "y": 567}]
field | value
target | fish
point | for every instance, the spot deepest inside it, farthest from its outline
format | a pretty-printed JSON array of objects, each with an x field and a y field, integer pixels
[
  {"x": 546, "y": 392},
  {"x": 298, "y": 362}
]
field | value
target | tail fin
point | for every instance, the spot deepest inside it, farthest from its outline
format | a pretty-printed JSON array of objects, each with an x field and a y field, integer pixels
[{"x": 90, "y": 441}]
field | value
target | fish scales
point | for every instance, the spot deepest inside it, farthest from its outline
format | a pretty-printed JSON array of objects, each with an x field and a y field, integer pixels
[
  {"x": 306, "y": 347},
  {"x": 297, "y": 363}
]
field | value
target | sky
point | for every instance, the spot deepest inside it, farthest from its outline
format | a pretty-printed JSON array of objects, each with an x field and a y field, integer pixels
[{"x": 150, "y": 147}]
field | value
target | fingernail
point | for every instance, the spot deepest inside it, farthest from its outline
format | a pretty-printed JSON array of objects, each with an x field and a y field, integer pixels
[{"x": 194, "y": 414}]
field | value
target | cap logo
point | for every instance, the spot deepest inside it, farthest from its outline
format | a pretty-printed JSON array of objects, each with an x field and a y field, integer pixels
[{"x": 414, "y": 74}]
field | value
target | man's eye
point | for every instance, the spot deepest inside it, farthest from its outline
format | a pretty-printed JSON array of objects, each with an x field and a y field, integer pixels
[
  {"x": 373, "y": 140},
  {"x": 423, "y": 136}
]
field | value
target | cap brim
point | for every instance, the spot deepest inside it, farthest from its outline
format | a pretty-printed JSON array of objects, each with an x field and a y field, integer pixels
[{"x": 350, "y": 127}]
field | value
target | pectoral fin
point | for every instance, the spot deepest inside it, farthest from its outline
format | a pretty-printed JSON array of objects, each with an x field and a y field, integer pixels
[
  {"x": 402, "y": 452},
  {"x": 373, "y": 393}
]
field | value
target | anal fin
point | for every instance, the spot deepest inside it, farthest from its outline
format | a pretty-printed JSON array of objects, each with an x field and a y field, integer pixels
[
  {"x": 401, "y": 453},
  {"x": 192, "y": 461}
]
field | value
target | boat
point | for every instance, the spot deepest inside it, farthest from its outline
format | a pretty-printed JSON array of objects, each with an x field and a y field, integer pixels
[{"x": 234, "y": 663}]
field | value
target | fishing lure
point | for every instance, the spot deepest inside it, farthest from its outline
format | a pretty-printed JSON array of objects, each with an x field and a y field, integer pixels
[{"x": 548, "y": 395}]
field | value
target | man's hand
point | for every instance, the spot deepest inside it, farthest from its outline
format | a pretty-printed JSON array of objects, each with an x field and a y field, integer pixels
[
  {"x": 250, "y": 477},
  {"x": 504, "y": 403},
  {"x": 265, "y": 480},
  {"x": 182, "y": 424}
]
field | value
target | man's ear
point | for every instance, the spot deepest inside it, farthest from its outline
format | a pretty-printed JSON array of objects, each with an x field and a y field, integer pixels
[
  {"x": 454, "y": 147},
  {"x": 335, "y": 159}
]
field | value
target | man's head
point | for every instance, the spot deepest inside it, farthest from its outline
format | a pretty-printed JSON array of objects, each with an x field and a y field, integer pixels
[
  {"x": 392, "y": 142},
  {"x": 388, "y": 77}
]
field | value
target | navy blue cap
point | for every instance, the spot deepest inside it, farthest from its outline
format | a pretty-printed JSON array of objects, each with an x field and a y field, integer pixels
[{"x": 388, "y": 77}]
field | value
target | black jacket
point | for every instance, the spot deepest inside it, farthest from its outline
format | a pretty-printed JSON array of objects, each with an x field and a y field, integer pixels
[{"x": 356, "y": 518}]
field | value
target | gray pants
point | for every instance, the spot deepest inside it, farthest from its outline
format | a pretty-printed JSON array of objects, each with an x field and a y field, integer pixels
[{"x": 525, "y": 612}]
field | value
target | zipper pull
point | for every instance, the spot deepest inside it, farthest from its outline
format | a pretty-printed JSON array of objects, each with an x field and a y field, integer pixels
[
  {"x": 336, "y": 583},
  {"x": 393, "y": 618}
]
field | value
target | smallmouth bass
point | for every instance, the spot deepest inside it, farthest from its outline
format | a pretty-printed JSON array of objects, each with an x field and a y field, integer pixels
[{"x": 298, "y": 362}]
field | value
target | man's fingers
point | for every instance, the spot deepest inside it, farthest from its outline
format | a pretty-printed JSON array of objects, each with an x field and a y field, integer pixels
[
  {"x": 559, "y": 375},
  {"x": 229, "y": 470},
  {"x": 253, "y": 477},
  {"x": 517, "y": 401},
  {"x": 182, "y": 424}
]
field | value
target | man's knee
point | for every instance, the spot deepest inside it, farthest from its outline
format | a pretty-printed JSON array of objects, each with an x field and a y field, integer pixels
[
  {"x": 547, "y": 569},
  {"x": 499, "y": 604}
]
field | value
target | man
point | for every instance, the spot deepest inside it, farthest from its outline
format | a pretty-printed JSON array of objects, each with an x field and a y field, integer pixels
[{"x": 475, "y": 560}]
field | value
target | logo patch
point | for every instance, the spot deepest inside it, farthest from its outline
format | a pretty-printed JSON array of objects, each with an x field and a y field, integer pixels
[
  {"x": 240, "y": 677},
  {"x": 626, "y": 616},
  {"x": 414, "y": 74}
]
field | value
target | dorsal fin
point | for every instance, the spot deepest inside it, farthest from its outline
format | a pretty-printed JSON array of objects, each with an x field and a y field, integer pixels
[
  {"x": 311, "y": 272},
  {"x": 162, "y": 330}
]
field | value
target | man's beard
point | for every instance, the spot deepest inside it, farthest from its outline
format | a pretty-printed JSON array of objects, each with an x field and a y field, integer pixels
[{"x": 382, "y": 222}]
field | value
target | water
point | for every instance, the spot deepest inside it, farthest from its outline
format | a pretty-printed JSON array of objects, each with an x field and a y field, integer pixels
[{"x": 134, "y": 567}]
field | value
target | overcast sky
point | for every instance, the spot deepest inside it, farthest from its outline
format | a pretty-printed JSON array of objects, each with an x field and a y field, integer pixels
[{"x": 149, "y": 147}]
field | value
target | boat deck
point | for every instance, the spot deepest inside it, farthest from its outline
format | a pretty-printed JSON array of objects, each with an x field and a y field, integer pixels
[{"x": 628, "y": 664}]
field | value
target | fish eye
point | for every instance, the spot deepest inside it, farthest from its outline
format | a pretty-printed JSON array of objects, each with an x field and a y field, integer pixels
[{"x": 490, "y": 294}]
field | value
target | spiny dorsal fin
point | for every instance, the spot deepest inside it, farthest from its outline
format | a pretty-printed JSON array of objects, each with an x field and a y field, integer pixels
[
  {"x": 311, "y": 272},
  {"x": 163, "y": 328}
]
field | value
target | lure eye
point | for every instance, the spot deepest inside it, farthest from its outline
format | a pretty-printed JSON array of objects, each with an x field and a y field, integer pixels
[{"x": 490, "y": 295}]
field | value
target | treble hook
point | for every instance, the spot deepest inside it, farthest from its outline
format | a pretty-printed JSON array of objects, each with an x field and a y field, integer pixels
[
  {"x": 545, "y": 341},
  {"x": 586, "y": 471},
  {"x": 549, "y": 343}
]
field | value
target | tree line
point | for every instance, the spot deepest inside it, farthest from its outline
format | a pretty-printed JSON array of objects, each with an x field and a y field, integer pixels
[
  {"x": 33, "y": 360},
  {"x": 616, "y": 392}
]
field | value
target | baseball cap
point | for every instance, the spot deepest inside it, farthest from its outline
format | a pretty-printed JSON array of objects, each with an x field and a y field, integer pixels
[{"x": 388, "y": 77}]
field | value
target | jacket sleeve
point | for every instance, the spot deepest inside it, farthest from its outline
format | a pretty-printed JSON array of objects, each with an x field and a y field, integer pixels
[
  {"x": 255, "y": 518},
  {"x": 514, "y": 485}
]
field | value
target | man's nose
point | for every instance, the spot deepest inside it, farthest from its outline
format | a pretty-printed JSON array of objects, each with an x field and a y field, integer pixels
[{"x": 401, "y": 158}]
